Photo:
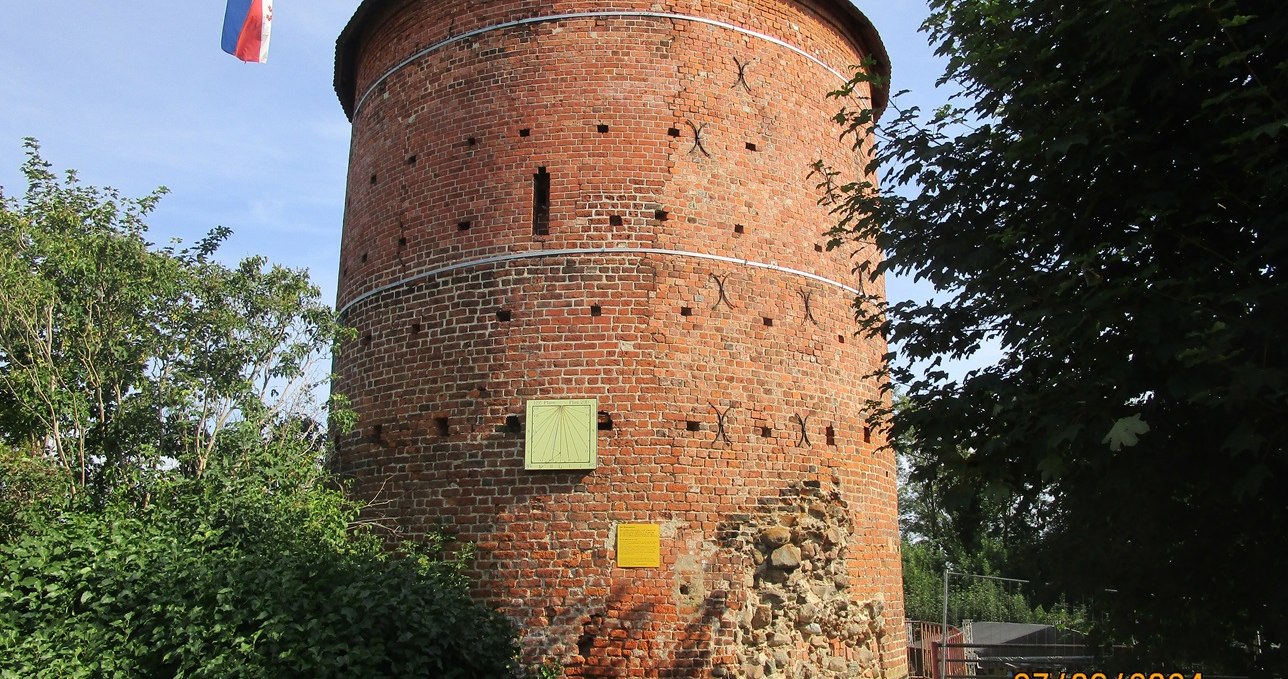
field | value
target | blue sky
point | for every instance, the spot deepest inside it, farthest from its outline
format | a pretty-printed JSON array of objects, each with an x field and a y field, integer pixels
[{"x": 139, "y": 94}]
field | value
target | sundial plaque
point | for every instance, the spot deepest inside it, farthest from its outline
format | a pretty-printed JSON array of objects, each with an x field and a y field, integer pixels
[{"x": 561, "y": 434}]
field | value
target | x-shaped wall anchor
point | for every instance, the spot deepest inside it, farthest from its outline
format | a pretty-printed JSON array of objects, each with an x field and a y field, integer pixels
[
  {"x": 805, "y": 297},
  {"x": 720, "y": 284},
  {"x": 742, "y": 74},
  {"x": 697, "y": 138},
  {"x": 720, "y": 423},
  {"x": 804, "y": 439}
]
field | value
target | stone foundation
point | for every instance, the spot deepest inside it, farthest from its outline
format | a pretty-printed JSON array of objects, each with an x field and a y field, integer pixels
[{"x": 802, "y": 619}]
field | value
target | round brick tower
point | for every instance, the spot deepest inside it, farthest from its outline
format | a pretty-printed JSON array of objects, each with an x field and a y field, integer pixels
[{"x": 598, "y": 333}]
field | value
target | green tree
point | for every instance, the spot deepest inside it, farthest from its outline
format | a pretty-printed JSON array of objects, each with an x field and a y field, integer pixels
[
  {"x": 164, "y": 510},
  {"x": 979, "y": 599},
  {"x": 1105, "y": 200},
  {"x": 119, "y": 358},
  {"x": 946, "y": 526}
]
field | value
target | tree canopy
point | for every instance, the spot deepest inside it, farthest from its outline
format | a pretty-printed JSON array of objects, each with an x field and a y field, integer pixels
[
  {"x": 1105, "y": 199},
  {"x": 117, "y": 356}
]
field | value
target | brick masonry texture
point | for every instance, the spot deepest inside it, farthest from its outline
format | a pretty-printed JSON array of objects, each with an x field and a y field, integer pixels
[{"x": 736, "y": 391}]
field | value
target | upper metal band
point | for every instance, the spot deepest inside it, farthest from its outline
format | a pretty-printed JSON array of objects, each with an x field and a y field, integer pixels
[
  {"x": 533, "y": 254},
  {"x": 589, "y": 15}
]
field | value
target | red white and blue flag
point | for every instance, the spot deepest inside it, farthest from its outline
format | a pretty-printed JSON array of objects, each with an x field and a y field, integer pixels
[{"x": 246, "y": 27}]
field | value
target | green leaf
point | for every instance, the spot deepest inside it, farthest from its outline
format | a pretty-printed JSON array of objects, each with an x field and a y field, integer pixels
[
  {"x": 1051, "y": 467},
  {"x": 1126, "y": 432}
]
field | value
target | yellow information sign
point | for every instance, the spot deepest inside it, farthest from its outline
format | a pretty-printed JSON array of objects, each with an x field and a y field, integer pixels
[{"x": 639, "y": 545}]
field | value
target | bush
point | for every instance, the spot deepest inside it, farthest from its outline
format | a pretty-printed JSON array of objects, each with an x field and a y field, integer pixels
[{"x": 256, "y": 575}]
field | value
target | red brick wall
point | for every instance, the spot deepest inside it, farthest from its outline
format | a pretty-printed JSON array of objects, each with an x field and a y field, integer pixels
[{"x": 438, "y": 143}]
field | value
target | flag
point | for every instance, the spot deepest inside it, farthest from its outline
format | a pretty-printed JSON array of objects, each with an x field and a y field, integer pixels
[{"x": 246, "y": 27}]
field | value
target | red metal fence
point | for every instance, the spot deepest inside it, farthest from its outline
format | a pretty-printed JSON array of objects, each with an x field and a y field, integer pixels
[{"x": 924, "y": 642}]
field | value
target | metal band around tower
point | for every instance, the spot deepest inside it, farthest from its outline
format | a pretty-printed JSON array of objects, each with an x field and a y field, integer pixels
[
  {"x": 589, "y": 15},
  {"x": 534, "y": 254}
]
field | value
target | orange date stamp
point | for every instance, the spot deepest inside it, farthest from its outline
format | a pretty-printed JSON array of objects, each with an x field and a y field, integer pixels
[{"x": 1106, "y": 675}]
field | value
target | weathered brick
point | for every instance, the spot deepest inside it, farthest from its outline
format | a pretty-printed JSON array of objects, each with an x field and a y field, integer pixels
[{"x": 461, "y": 326}]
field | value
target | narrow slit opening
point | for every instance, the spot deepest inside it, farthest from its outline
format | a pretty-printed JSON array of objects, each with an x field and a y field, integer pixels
[
  {"x": 402, "y": 241},
  {"x": 443, "y": 425},
  {"x": 377, "y": 430},
  {"x": 541, "y": 203},
  {"x": 374, "y": 179},
  {"x": 867, "y": 434},
  {"x": 830, "y": 433},
  {"x": 840, "y": 338}
]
